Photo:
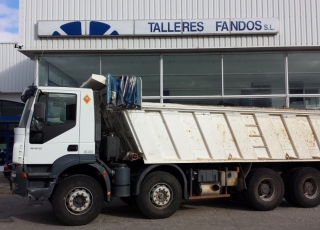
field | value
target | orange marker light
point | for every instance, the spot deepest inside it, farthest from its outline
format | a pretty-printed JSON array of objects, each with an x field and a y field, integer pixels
[{"x": 24, "y": 175}]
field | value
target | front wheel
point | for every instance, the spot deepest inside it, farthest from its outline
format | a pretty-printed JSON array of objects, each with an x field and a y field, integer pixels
[
  {"x": 78, "y": 200},
  {"x": 265, "y": 189},
  {"x": 160, "y": 195}
]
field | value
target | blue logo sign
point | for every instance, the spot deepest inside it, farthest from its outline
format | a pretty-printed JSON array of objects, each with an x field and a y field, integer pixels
[
  {"x": 100, "y": 28},
  {"x": 71, "y": 28},
  {"x": 95, "y": 28}
]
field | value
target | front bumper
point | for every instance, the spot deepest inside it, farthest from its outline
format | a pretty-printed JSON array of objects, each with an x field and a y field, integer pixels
[
  {"x": 19, "y": 183},
  {"x": 26, "y": 187}
]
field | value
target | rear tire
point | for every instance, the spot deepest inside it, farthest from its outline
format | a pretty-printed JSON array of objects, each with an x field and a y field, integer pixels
[
  {"x": 160, "y": 195},
  {"x": 77, "y": 200},
  {"x": 265, "y": 189},
  {"x": 304, "y": 187}
]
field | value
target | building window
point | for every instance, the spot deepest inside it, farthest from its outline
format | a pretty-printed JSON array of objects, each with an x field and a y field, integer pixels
[
  {"x": 145, "y": 66},
  {"x": 69, "y": 71},
  {"x": 304, "y": 78},
  {"x": 11, "y": 111},
  {"x": 191, "y": 75},
  {"x": 9, "y": 108},
  {"x": 251, "y": 74},
  {"x": 254, "y": 74}
]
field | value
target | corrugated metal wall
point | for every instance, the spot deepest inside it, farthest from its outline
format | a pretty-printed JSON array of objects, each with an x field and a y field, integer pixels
[
  {"x": 16, "y": 70},
  {"x": 299, "y": 22}
]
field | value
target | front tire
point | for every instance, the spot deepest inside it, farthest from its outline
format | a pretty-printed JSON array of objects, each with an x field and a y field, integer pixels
[
  {"x": 160, "y": 195},
  {"x": 265, "y": 189},
  {"x": 78, "y": 200}
]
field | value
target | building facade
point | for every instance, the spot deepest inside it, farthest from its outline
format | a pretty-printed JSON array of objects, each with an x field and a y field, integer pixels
[
  {"x": 16, "y": 72},
  {"x": 219, "y": 52}
]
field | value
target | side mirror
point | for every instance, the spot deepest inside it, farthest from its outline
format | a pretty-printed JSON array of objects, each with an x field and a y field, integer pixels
[{"x": 39, "y": 111}]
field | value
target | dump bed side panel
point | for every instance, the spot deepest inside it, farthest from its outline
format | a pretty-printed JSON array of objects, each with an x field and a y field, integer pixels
[{"x": 190, "y": 134}]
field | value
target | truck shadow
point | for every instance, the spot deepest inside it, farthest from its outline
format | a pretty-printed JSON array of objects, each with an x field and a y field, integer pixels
[
  {"x": 225, "y": 204},
  {"x": 116, "y": 208},
  {"x": 240, "y": 205},
  {"x": 216, "y": 203},
  {"x": 119, "y": 209}
]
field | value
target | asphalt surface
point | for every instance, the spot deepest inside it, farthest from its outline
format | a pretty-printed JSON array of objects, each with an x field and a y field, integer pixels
[
  {"x": 4, "y": 186},
  {"x": 16, "y": 213}
]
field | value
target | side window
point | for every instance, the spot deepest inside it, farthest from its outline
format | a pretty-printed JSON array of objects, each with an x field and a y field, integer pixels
[
  {"x": 37, "y": 127},
  {"x": 61, "y": 109},
  {"x": 60, "y": 116}
]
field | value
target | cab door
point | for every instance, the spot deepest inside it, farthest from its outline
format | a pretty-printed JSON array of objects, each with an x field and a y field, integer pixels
[{"x": 57, "y": 134}]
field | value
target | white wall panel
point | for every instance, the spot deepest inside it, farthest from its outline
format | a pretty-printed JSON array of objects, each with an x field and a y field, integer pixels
[
  {"x": 16, "y": 70},
  {"x": 298, "y": 19}
]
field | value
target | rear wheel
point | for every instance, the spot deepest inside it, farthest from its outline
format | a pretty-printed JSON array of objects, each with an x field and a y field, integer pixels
[
  {"x": 78, "y": 200},
  {"x": 160, "y": 195},
  {"x": 264, "y": 189},
  {"x": 304, "y": 187}
]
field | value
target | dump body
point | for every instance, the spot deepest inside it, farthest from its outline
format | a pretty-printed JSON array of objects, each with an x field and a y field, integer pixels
[{"x": 173, "y": 133}]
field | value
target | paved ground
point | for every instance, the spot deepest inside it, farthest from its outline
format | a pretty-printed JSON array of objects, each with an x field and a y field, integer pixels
[
  {"x": 4, "y": 186},
  {"x": 16, "y": 213}
]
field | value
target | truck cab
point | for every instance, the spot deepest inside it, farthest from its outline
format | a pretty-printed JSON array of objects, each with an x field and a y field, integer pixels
[{"x": 56, "y": 134}]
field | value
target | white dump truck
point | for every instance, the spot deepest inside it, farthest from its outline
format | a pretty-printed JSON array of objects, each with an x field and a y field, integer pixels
[{"x": 78, "y": 147}]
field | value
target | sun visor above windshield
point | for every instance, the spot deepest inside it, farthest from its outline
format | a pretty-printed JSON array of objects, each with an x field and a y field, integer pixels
[{"x": 95, "y": 82}]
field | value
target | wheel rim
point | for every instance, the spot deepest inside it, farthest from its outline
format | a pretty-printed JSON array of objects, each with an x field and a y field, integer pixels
[
  {"x": 161, "y": 195},
  {"x": 266, "y": 189},
  {"x": 311, "y": 188},
  {"x": 79, "y": 201}
]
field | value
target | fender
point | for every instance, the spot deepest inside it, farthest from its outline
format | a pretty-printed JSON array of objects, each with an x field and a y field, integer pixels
[
  {"x": 67, "y": 161},
  {"x": 106, "y": 179},
  {"x": 145, "y": 170},
  {"x": 64, "y": 162}
]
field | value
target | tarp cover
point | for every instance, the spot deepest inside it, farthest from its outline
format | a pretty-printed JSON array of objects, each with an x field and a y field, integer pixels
[{"x": 124, "y": 91}]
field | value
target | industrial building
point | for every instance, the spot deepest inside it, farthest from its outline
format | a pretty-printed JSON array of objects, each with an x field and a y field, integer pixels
[{"x": 16, "y": 72}]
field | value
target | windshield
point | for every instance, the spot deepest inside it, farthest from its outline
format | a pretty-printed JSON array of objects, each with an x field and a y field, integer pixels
[{"x": 26, "y": 112}]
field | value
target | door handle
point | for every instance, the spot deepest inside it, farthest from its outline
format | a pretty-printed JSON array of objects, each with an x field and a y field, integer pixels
[{"x": 72, "y": 148}]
